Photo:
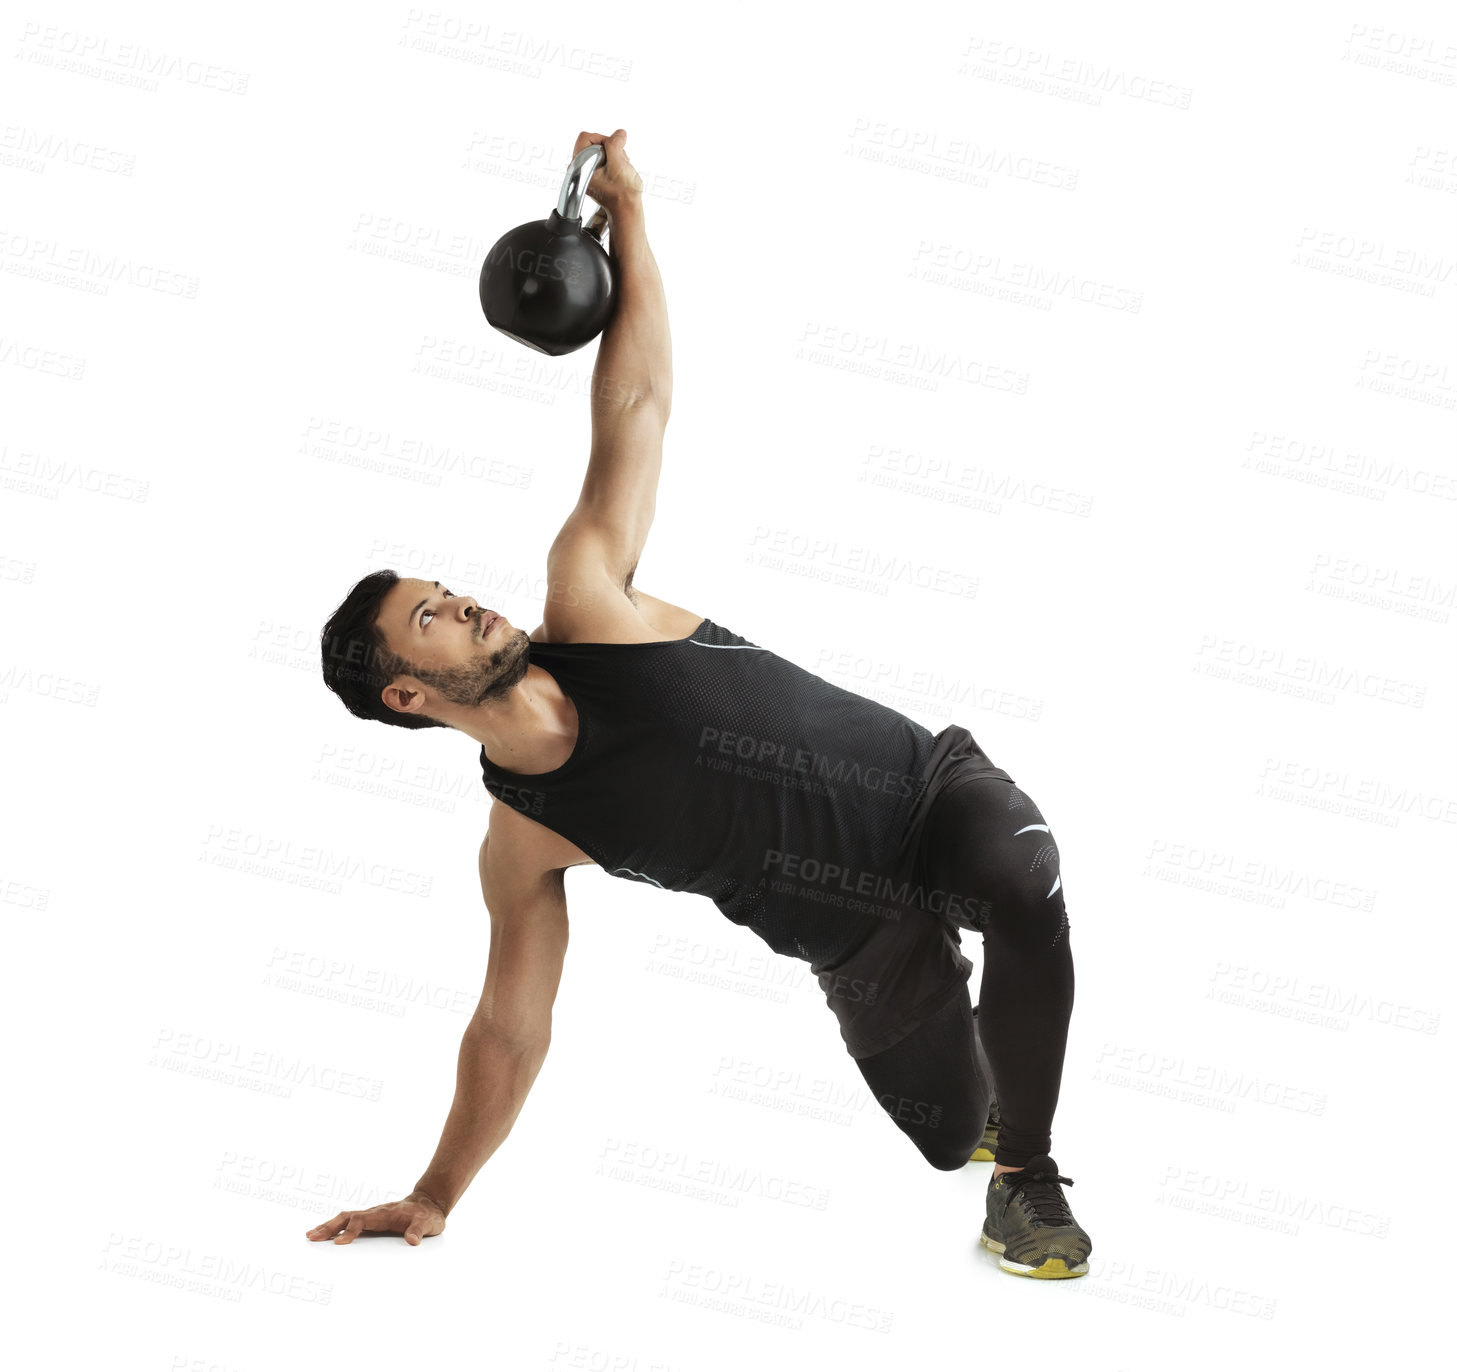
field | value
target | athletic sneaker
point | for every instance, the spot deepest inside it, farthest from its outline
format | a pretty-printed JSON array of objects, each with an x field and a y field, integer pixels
[
  {"x": 1030, "y": 1225},
  {"x": 986, "y": 1150}
]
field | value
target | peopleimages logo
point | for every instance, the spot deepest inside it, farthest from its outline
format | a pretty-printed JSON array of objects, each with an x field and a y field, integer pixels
[
  {"x": 1292, "y": 997},
  {"x": 527, "y": 799},
  {"x": 1200, "y": 1082},
  {"x": 784, "y": 757},
  {"x": 811, "y": 876}
]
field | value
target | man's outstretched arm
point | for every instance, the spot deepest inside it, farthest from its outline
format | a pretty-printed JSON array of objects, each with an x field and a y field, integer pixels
[
  {"x": 632, "y": 387},
  {"x": 502, "y": 1049},
  {"x": 506, "y": 1041}
]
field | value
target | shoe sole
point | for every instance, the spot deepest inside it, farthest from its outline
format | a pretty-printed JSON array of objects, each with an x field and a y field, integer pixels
[{"x": 1053, "y": 1267}]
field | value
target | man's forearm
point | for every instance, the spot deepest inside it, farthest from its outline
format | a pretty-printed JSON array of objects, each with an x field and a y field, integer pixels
[
  {"x": 493, "y": 1077},
  {"x": 635, "y": 355}
]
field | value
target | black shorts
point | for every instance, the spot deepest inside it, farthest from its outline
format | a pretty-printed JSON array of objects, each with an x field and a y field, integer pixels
[
  {"x": 899, "y": 971},
  {"x": 904, "y": 971}
]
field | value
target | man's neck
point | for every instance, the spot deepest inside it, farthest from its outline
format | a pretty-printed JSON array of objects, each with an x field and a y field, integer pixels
[{"x": 528, "y": 729}]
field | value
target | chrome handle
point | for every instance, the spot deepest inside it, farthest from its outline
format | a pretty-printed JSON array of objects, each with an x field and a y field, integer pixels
[{"x": 574, "y": 187}]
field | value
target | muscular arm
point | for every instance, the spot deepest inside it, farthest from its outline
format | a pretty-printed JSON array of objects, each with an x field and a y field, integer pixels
[
  {"x": 631, "y": 397},
  {"x": 635, "y": 354},
  {"x": 506, "y": 1042}
]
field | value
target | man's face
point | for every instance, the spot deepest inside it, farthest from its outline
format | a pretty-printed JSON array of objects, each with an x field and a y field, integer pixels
[{"x": 462, "y": 653}]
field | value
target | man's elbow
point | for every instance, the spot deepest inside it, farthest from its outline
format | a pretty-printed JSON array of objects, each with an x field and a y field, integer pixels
[
  {"x": 652, "y": 396},
  {"x": 513, "y": 1036},
  {"x": 644, "y": 389}
]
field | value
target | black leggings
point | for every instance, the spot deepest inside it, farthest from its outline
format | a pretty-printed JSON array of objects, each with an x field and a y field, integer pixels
[{"x": 986, "y": 841}]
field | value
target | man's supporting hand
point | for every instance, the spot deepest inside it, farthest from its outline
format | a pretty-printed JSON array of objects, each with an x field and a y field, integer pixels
[{"x": 416, "y": 1217}]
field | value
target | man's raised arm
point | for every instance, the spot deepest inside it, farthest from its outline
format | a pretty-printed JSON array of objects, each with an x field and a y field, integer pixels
[{"x": 632, "y": 382}]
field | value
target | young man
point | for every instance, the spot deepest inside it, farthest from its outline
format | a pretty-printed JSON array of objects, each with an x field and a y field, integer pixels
[{"x": 644, "y": 738}]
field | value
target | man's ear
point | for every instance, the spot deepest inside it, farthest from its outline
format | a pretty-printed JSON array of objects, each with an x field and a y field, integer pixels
[{"x": 404, "y": 696}]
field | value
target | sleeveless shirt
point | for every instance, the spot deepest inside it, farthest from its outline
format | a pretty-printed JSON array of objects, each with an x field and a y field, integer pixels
[{"x": 711, "y": 765}]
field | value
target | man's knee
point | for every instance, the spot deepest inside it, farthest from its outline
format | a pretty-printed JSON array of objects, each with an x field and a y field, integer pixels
[
  {"x": 948, "y": 1155},
  {"x": 945, "y": 1138},
  {"x": 1027, "y": 909},
  {"x": 951, "y": 1148}
]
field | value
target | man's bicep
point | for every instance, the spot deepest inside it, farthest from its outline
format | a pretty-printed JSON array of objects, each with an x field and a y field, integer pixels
[
  {"x": 593, "y": 553},
  {"x": 529, "y": 933},
  {"x": 588, "y": 594}
]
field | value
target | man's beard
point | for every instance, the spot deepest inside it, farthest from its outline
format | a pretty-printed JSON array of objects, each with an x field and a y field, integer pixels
[{"x": 483, "y": 679}]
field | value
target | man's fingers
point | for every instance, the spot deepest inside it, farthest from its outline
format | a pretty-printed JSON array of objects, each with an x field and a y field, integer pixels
[
  {"x": 352, "y": 1229},
  {"x": 613, "y": 149},
  {"x": 329, "y": 1227},
  {"x": 397, "y": 1218},
  {"x": 600, "y": 171}
]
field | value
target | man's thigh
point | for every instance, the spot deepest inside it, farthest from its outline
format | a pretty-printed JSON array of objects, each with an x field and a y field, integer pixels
[
  {"x": 905, "y": 971},
  {"x": 934, "y": 1084}
]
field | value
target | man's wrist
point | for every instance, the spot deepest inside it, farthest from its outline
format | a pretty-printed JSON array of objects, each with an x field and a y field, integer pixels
[
  {"x": 435, "y": 1197},
  {"x": 625, "y": 216}
]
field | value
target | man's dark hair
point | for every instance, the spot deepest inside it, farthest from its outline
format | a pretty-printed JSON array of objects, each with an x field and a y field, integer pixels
[{"x": 357, "y": 665}]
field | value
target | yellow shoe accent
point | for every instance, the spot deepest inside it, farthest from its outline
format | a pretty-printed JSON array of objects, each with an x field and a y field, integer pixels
[
  {"x": 1053, "y": 1267},
  {"x": 983, "y": 1155}
]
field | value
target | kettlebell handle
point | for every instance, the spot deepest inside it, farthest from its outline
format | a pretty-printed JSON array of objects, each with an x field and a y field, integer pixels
[{"x": 574, "y": 187}]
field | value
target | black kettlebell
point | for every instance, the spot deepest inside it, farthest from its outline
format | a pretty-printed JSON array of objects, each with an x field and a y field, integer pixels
[{"x": 550, "y": 284}]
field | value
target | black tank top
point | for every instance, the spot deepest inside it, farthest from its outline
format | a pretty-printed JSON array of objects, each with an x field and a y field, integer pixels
[{"x": 711, "y": 765}]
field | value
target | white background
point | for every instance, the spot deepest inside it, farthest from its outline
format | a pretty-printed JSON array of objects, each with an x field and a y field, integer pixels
[{"x": 1144, "y": 323}]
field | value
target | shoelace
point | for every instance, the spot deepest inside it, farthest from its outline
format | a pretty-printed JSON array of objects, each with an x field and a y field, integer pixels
[{"x": 1038, "y": 1192}]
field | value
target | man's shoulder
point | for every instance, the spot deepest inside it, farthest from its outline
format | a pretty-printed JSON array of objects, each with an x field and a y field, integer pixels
[
  {"x": 617, "y": 615},
  {"x": 517, "y": 848}
]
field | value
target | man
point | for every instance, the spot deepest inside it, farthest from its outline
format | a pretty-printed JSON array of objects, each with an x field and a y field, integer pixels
[{"x": 630, "y": 733}]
